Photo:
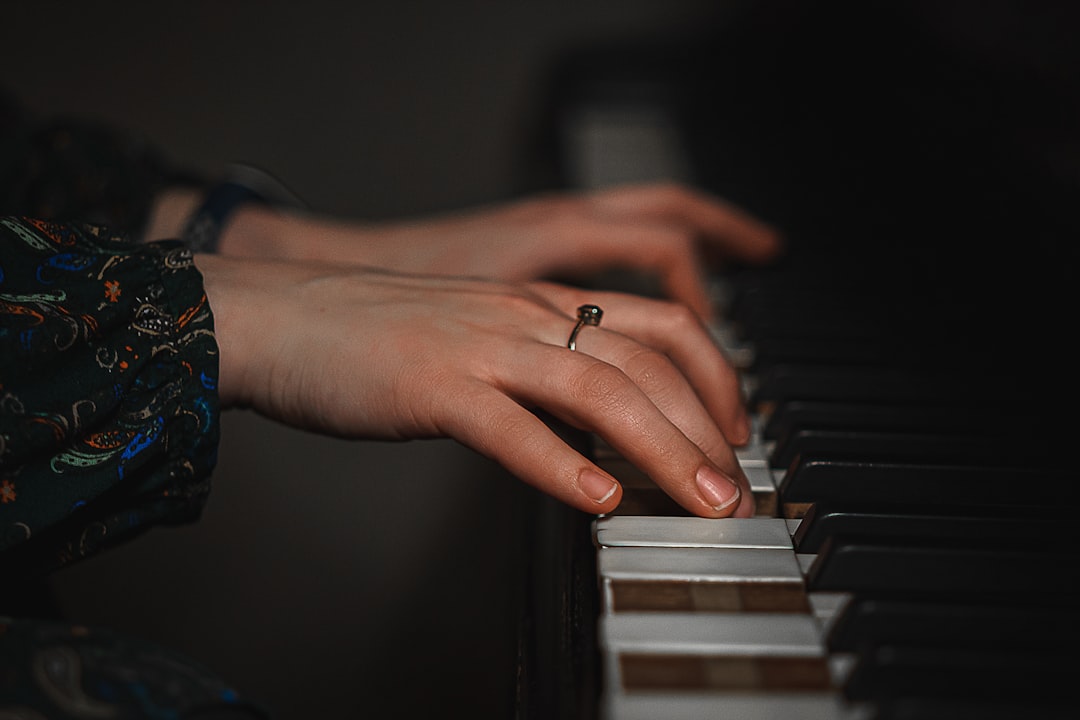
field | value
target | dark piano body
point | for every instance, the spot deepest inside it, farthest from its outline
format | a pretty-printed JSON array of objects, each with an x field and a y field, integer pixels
[{"x": 908, "y": 361}]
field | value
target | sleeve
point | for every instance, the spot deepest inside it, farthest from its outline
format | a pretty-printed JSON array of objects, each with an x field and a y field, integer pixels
[{"x": 108, "y": 390}]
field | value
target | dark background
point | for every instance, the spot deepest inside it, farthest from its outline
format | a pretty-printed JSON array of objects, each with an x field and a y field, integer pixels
[{"x": 947, "y": 127}]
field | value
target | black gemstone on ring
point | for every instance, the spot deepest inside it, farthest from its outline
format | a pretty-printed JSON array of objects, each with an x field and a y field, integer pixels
[{"x": 590, "y": 314}]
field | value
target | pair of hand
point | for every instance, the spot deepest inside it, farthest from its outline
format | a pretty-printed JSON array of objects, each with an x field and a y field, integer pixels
[{"x": 311, "y": 335}]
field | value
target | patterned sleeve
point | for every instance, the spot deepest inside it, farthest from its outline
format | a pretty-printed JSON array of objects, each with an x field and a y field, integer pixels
[{"x": 108, "y": 400}]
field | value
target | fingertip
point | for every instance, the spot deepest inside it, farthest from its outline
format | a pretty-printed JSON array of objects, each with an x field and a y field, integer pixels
[
  {"x": 702, "y": 308},
  {"x": 719, "y": 492},
  {"x": 747, "y": 508},
  {"x": 770, "y": 244},
  {"x": 741, "y": 428},
  {"x": 602, "y": 489}
]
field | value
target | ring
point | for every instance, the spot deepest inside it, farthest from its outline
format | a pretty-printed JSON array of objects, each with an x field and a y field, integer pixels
[{"x": 586, "y": 315}]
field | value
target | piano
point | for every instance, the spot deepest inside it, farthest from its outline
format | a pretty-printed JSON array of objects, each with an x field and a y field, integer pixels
[{"x": 906, "y": 364}]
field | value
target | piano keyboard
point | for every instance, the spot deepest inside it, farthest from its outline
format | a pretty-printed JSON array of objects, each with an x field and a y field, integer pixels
[
  {"x": 906, "y": 560},
  {"x": 911, "y": 555}
]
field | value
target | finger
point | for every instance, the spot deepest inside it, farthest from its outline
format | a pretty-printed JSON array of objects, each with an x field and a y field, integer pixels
[
  {"x": 596, "y": 396},
  {"x": 729, "y": 228},
  {"x": 666, "y": 251},
  {"x": 668, "y": 389},
  {"x": 676, "y": 332},
  {"x": 499, "y": 428}
]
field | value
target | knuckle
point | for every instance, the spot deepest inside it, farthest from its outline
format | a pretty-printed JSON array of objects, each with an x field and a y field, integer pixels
[
  {"x": 682, "y": 319},
  {"x": 671, "y": 192},
  {"x": 517, "y": 302},
  {"x": 524, "y": 306},
  {"x": 546, "y": 208},
  {"x": 652, "y": 372},
  {"x": 604, "y": 388}
]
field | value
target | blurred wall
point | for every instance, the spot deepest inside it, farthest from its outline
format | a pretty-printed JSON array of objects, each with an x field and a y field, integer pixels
[{"x": 305, "y": 583}]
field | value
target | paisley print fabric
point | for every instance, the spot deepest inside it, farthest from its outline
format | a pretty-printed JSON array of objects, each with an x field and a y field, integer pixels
[
  {"x": 108, "y": 413},
  {"x": 54, "y": 671},
  {"x": 108, "y": 390}
]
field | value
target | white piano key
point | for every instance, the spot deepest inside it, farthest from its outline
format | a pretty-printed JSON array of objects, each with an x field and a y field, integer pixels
[
  {"x": 712, "y": 634},
  {"x": 740, "y": 354},
  {"x": 685, "y": 532},
  {"x": 761, "y": 479},
  {"x": 699, "y": 564},
  {"x": 805, "y": 560},
  {"x": 730, "y": 706},
  {"x": 749, "y": 385},
  {"x": 827, "y": 606},
  {"x": 752, "y": 455},
  {"x": 840, "y": 667},
  {"x": 720, "y": 291}
]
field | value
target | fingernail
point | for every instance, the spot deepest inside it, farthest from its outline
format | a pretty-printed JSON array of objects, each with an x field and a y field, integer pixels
[
  {"x": 597, "y": 486},
  {"x": 719, "y": 491}
]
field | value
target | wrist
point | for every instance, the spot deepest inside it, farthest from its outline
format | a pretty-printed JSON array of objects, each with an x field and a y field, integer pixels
[
  {"x": 223, "y": 285},
  {"x": 169, "y": 211},
  {"x": 241, "y": 189}
]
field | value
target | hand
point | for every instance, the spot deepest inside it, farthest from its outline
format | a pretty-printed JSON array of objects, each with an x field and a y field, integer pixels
[
  {"x": 361, "y": 353},
  {"x": 660, "y": 229}
]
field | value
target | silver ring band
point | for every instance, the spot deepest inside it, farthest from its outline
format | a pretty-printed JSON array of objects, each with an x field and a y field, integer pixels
[{"x": 586, "y": 315}]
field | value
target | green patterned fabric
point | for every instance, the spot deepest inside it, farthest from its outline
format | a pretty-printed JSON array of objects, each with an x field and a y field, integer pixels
[
  {"x": 109, "y": 414},
  {"x": 108, "y": 389}
]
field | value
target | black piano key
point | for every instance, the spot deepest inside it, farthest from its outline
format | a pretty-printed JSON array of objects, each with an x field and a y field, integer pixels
[
  {"x": 976, "y": 706},
  {"x": 901, "y": 447},
  {"x": 891, "y": 672},
  {"x": 898, "y": 524},
  {"x": 823, "y": 415},
  {"x": 855, "y": 482},
  {"x": 895, "y": 386},
  {"x": 877, "y": 621},
  {"x": 769, "y": 351},
  {"x": 875, "y": 568},
  {"x": 808, "y": 323}
]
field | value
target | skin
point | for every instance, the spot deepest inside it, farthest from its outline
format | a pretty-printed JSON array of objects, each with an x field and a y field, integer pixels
[
  {"x": 312, "y": 336},
  {"x": 665, "y": 229}
]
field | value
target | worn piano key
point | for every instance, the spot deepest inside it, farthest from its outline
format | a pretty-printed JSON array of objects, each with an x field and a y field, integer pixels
[
  {"x": 857, "y": 483},
  {"x": 823, "y": 521},
  {"x": 976, "y": 625},
  {"x": 656, "y": 531},
  {"x": 651, "y": 651},
  {"x": 1008, "y": 576},
  {"x": 674, "y": 579}
]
